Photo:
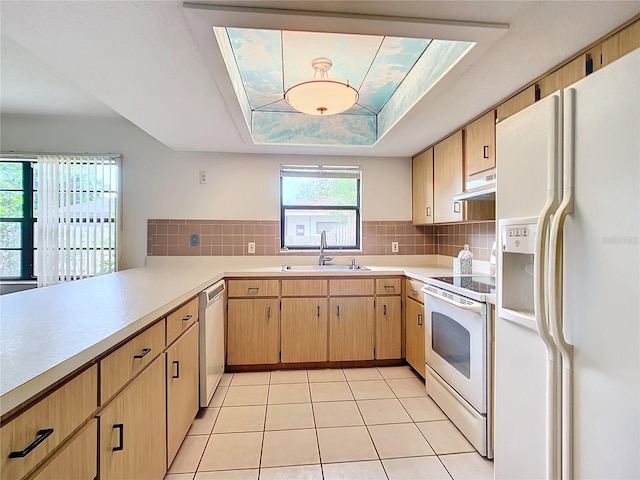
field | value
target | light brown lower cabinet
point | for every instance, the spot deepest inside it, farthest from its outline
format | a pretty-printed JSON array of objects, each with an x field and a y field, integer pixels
[
  {"x": 132, "y": 441},
  {"x": 77, "y": 460},
  {"x": 253, "y": 331},
  {"x": 351, "y": 328},
  {"x": 388, "y": 327},
  {"x": 415, "y": 336},
  {"x": 304, "y": 329},
  {"x": 182, "y": 389}
]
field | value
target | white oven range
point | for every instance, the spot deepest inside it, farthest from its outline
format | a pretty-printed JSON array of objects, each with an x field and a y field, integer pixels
[{"x": 458, "y": 337}]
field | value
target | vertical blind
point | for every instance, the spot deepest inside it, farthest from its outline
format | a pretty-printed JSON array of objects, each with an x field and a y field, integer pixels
[{"x": 78, "y": 216}]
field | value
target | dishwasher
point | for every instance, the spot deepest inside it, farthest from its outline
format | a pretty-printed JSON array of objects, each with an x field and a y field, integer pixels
[{"x": 211, "y": 315}]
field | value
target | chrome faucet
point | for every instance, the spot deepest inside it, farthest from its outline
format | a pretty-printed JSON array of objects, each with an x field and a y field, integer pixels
[{"x": 324, "y": 259}]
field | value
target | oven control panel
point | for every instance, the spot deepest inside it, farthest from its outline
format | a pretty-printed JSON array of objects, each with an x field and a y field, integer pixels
[{"x": 519, "y": 238}]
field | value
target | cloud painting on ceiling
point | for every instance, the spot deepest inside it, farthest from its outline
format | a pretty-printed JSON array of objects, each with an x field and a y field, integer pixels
[{"x": 391, "y": 74}]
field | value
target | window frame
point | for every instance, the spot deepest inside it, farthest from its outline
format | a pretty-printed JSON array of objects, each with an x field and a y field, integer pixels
[
  {"x": 27, "y": 222},
  {"x": 323, "y": 208}
]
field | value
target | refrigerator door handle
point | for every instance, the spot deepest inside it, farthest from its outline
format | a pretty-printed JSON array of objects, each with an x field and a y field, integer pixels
[
  {"x": 540, "y": 298},
  {"x": 556, "y": 321}
]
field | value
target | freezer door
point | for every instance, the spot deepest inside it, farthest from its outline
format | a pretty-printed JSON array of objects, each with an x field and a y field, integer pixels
[{"x": 523, "y": 144}]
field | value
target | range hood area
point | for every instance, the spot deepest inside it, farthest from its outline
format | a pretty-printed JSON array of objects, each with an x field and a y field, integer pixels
[{"x": 480, "y": 187}]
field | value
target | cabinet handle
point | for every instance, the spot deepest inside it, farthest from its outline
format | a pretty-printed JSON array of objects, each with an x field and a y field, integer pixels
[
  {"x": 177, "y": 364},
  {"x": 144, "y": 352},
  {"x": 254, "y": 289},
  {"x": 384, "y": 308},
  {"x": 419, "y": 319},
  {"x": 187, "y": 318},
  {"x": 456, "y": 207},
  {"x": 485, "y": 151},
  {"x": 338, "y": 309},
  {"x": 268, "y": 312},
  {"x": 41, "y": 436},
  {"x": 428, "y": 211},
  {"x": 415, "y": 292},
  {"x": 120, "y": 427},
  {"x": 389, "y": 286},
  {"x": 318, "y": 311}
]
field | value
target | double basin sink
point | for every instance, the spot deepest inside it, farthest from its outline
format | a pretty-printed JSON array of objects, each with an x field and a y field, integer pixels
[{"x": 322, "y": 268}]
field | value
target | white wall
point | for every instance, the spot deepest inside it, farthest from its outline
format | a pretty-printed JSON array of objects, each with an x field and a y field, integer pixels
[{"x": 162, "y": 183}]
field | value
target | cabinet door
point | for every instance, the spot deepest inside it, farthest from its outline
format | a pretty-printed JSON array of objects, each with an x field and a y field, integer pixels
[
  {"x": 351, "y": 328},
  {"x": 564, "y": 76},
  {"x": 182, "y": 389},
  {"x": 77, "y": 460},
  {"x": 447, "y": 171},
  {"x": 253, "y": 331},
  {"x": 422, "y": 188},
  {"x": 305, "y": 327},
  {"x": 480, "y": 144},
  {"x": 623, "y": 42},
  {"x": 516, "y": 103},
  {"x": 415, "y": 336},
  {"x": 388, "y": 327},
  {"x": 133, "y": 429}
]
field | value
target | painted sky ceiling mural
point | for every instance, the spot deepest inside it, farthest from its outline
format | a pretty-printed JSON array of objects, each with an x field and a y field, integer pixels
[{"x": 391, "y": 74}]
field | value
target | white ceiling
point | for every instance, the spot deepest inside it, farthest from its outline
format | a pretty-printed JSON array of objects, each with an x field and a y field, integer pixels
[{"x": 143, "y": 61}]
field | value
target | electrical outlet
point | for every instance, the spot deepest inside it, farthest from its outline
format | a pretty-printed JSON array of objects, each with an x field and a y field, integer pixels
[
  {"x": 251, "y": 247},
  {"x": 203, "y": 177},
  {"x": 394, "y": 247}
]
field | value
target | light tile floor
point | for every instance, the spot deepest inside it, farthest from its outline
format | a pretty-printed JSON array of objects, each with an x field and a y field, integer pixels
[{"x": 339, "y": 424}]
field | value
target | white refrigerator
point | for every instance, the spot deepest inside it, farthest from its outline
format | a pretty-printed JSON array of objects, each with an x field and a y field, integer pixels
[{"x": 567, "y": 331}]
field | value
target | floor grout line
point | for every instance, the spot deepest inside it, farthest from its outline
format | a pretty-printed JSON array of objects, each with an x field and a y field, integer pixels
[{"x": 312, "y": 405}]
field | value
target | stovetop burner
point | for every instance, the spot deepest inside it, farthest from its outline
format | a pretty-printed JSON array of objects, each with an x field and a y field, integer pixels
[{"x": 480, "y": 284}]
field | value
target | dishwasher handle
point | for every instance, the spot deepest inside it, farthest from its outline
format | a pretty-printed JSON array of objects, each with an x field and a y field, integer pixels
[{"x": 214, "y": 292}]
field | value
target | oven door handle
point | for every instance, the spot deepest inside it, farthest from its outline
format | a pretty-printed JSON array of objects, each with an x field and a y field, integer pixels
[{"x": 475, "y": 307}]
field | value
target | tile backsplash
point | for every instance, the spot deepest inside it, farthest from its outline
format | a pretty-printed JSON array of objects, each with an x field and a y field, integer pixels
[{"x": 171, "y": 237}]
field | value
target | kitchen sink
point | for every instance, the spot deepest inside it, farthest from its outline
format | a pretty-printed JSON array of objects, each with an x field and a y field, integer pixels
[{"x": 321, "y": 268}]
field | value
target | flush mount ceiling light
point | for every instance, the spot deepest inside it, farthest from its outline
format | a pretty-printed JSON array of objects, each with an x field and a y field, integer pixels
[{"x": 321, "y": 95}]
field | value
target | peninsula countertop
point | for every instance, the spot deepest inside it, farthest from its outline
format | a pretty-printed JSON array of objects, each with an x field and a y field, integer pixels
[{"x": 48, "y": 333}]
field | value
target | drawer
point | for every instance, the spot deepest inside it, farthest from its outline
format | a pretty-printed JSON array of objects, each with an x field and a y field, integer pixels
[
  {"x": 253, "y": 288},
  {"x": 351, "y": 286},
  {"x": 181, "y": 319},
  {"x": 305, "y": 288},
  {"x": 77, "y": 460},
  {"x": 413, "y": 290},
  {"x": 122, "y": 365},
  {"x": 51, "y": 420},
  {"x": 389, "y": 286}
]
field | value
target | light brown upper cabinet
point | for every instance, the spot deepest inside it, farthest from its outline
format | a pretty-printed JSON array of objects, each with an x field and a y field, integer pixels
[
  {"x": 516, "y": 103},
  {"x": 447, "y": 175},
  {"x": 448, "y": 182},
  {"x": 480, "y": 144},
  {"x": 616, "y": 46},
  {"x": 564, "y": 76},
  {"x": 422, "y": 188}
]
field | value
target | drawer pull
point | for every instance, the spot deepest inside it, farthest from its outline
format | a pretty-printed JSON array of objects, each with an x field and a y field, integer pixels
[
  {"x": 177, "y": 364},
  {"x": 41, "y": 437},
  {"x": 253, "y": 289},
  {"x": 187, "y": 318},
  {"x": 144, "y": 352},
  {"x": 120, "y": 427},
  {"x": 389, "y": 286},
  {"x": 415, "y": 292}
]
